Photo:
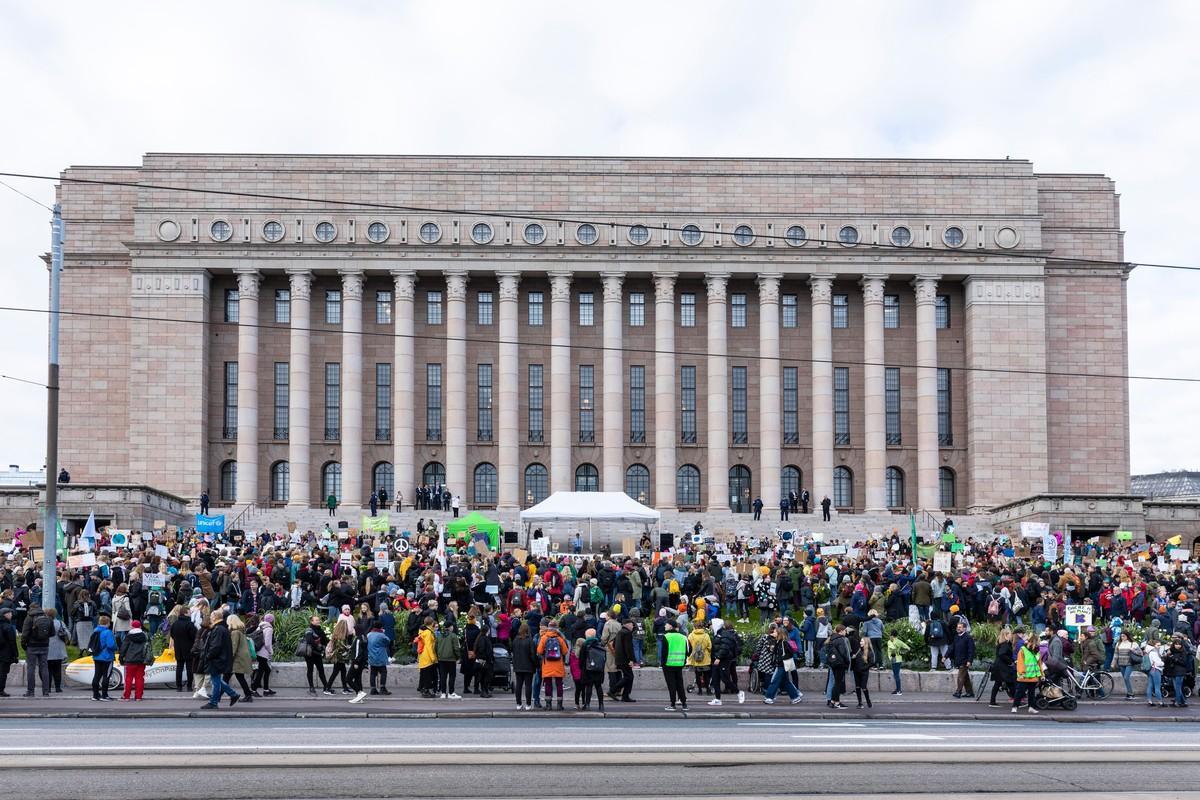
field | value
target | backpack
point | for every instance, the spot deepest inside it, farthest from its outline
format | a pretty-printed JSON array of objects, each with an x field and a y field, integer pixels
[
  {"x": 935, "y": 629},
  {"x": 124, "y": 614},
  {"x": 44, "y": 627},
  {"x": 834, "y": 656},
  {"x": 595, "y": 658},
  {"x": 993, "y": 608},
  {"x": 553, "y": 650},
  {"x": 253, "y": 649},
  {"x": 1146, "y": 666},
  {"x": 596, "y": 595},
  {"x": 94, "y": 645}
]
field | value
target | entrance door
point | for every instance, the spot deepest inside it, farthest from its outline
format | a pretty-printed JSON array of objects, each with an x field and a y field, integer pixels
[{"x": 739, "y": 489}]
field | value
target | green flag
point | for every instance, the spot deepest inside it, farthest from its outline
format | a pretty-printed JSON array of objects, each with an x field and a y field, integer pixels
[{"x": 912, "y": 521}]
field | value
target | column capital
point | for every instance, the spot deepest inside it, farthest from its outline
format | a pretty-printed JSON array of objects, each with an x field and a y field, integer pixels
[
  {"x": 560, "y": 286},
  {"x": 300, "y": 280},
  {"x": 456, "y": 285},
  {"x": 926, "y": 288},
  {"x": 248, "y": 280},
  {"x": 509, "y": 281},
  {"x": 352, "y": 283},
  {"x": 872, "y": 286},
  {"x": 613, "y": 281},
  {"x": 821, "y": 287},
  {"x": 717, "y": 283},
  {"x": 405, "y": 281},
  {"x": 768, "y": 287},
  {"x": 664, "y": 287}
]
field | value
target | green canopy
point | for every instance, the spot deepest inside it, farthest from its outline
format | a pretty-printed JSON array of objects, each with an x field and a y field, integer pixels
[{"x": 461, "y": 527}]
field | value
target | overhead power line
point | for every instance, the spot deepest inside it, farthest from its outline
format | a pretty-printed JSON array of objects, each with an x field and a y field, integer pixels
[
  {"x": 27, "y": 197},
  {"x": 492, "y": 341},
  {"x": 541, "y": 217}
]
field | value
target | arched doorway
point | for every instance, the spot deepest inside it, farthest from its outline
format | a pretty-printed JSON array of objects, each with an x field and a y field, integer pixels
[{"x": 739, "y": 489}]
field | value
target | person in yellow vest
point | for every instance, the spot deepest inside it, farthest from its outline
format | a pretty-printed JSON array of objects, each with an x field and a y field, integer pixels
[
  {"x": 427, "y": 661},
  {"x": 675, "y": 654},
  {"x": 1029, "y": 673},
  {"x": 700, "y": 659}
]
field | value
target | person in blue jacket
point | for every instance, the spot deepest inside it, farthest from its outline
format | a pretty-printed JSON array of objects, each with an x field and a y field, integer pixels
[
  {"x": 808, "y": 630},
  {"x": 103, "y": 653}
]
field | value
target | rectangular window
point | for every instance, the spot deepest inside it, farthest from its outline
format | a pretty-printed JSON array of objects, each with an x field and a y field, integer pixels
[
  {"x": 536, "y": 386},
  {"x": 841, "y": 311},
  {"x": 333, "y": 401},
  {"x": 333, "y": 306},
  {"x": 232, "y": 299},
  {"x": 791, "y": 403},
  {"x": 737, "y": 316},
  {"x": 383, "y": 308},
  {"x": 283, "y": 306},
  {"x": 687, "y": 402},
  {"x": 637, "y": 309},
  {"x": 637, "y": 404},
  {"x": 231, "y": 387},
  {"x": 789, "y": 311},
  {"x": 484, "y": 316},
  {"x": 383, "y": 402},
  {"x": 740, "y": 433},
  {"x": 587, "y": 403},
  {"x": 687, "y": 310},
  {"x": 891, "y": 402},
  {"x": 282, "y": 378},
  {"x": 483, "y": 405},
  {"x": 587, "y": 309},
  {"x": 536, "y": 309},
  {"x": 941, "y": 312},
  {"x": 433, "y": 402},
  {"x": 891, "y": 311},
  {"x": 945, "y": 426},
  {"x": 841, "y": 405},
  {"x": 433, "y": 307}
]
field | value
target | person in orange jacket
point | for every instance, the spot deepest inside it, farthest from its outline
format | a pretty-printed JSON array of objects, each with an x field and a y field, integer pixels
[{"x": 552, "y": 648}]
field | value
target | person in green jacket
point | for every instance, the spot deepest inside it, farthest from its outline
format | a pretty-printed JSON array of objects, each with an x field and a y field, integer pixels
[
  {"x": 675, "y": 654},
  {"x": 448, "y": 648},
  {"x": 331, "y": 503},
  {"x": 896, "y": 650}
]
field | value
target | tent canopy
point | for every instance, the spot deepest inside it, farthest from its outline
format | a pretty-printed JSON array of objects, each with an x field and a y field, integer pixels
[
  {"x": 460, "y": 527},
  {"x": 590, "y": 506}
]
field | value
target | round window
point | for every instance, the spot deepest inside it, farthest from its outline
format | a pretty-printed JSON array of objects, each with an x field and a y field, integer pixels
[
  {"x": 535, "y": 233},
  {"x": 272, "y": 230},
  {"x": 743, "y": 235},
  {"x": 691, "y": 235},
  {"x": 586, "y": 234},
  {"x": 953, "y": 237},
  {"x": 481, "y": 233},
  {"x": 168, "y": 230},
  {"x": 220, "y": 231},
  {"x": 430, "y": 232},
  {"x": 848, "y": 235},
  {"x": 638, "y": 234},
  {"x": 325, "y": 232},
  {"x": 796, "y": 236},
  {"x": 378, "y": 232},
  {"x": 901, "y": 236}
]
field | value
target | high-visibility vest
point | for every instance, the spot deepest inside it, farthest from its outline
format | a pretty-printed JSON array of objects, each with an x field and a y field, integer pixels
[{"x": 676, "y": 649}]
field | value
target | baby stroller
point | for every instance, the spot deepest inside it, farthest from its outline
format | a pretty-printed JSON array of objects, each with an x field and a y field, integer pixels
[
  {"x": 1050, "y": 695},
  {"x": 501, "y": 677},
  {"x": 1189, "y": 686}
]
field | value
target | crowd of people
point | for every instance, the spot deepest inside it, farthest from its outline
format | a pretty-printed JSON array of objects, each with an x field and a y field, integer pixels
[{"x": 529, "y": 623}]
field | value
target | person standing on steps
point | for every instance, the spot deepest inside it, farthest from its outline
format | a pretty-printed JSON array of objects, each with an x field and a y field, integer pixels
[
  {"x": 373, "y": 503},
  {"x": 758, "y": 507},
  {"x": 804, "y": 499},
  {"x": 331, "y": 503},
  {"x": 825, "y": 504},
  {"x": 454, "y": 504},
  {"x": 204, "y": 503},
  {"x": 784, "y": 506}
]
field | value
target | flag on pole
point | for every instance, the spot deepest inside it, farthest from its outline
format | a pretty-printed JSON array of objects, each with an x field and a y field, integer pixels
[
  {"x": 87, "y": 539},
  {"x": 912, "y": 521},
  {"x": 441, "y": 549}
]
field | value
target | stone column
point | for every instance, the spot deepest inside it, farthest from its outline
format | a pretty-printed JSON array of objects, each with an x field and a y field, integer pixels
[
  {"x": 821, "y": 287},
  {"x": 718, "y": 395},
  {"x": 874, "y": 422},
  {"x": 770, "y": 399},
  {"x": 612, "y": 478},
  {"x": 508, "y": 383},
  {"x": 299, "y": 388},
  {"x": 352, "y": 392},
  {"x": 403, "y": 379},
  {"x": 560, "y": 382},
  {"x": 247, "y": 395},
  {"x": 664, "y": 391},
  {"x": 456, "y": 383},
  {"x": 928, "y": 497}
]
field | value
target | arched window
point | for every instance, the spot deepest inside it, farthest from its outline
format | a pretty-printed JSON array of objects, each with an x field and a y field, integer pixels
[
  {"x": 485, "y": 484},
  {"x": 331, "y": 481},
  {"x": 637, "y": 483},
  {"x": 946, "y": 487},
  {"x": 739, "y": 489},
  {"x": 895, "y": 487},
  {"x": 537, "y": 484},
  {"x": 383, "y": 476},
  {"x": 790, "y": 481},
  {"x": 229, "y": 482},
  {"x": 279, "y": 482},
  {"x": 687, "y": 486},
  {"x": 587, "y": 479},
  {"x": 433, "y": 474},
  {"x": 843, "y": 487}
]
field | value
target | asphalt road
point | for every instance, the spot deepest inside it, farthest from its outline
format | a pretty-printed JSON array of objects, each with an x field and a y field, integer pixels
[{"x": 495, "y": 758}]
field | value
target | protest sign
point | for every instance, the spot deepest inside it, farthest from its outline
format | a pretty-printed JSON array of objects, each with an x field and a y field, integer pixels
[
  {"x": 540, "y": 547},
  {"x": 152, "y": 580},
  {"x": 833, "y": 550},
  {"x": 1079, "y": 616},
  {"x": 377, "y": 524},
  {"x": 941, "y": 562},
  {"x": 161, "y": 551},
  {"x": 118, "y": 538},
  {"x": 1035, "y": 530},
  {"x": 1178, "y": 554},
  {"x": 381, "y": 557},
  {"x": 1124, "y": 536},
  {"x": 160, "y": 524}
]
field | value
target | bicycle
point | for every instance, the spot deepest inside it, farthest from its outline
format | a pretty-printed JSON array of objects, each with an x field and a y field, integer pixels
[
  {"x": 984, "y": 679},
  {"x": 1087, "y": 684}
]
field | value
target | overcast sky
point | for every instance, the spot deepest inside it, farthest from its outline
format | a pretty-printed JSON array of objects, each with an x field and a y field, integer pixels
[{"x": 1106, "y": 87}]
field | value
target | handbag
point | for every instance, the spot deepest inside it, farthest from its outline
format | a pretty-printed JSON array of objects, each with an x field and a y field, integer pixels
[
  {"x": 302, "y": 650},
  {"x": 789, "y": 664}
]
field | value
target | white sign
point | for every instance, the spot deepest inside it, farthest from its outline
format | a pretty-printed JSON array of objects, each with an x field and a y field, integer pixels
[
  {"x": 880, "y": 555},
  {"x": 382, "y": 560},
  {"x": 853, "y": 552},
  {"x": 1079, "y": 616},
  {"x": 151, "y": 581},
  {"x": 1049, "y": 548},
  {"x": 941, "y": 561},
  {"x": 161, "y": 551},
  {"x": 834, "y": 550},
  {"x": 1035, "y": 530},
  {"x": 347, "y": 559},
  {"x": 540, "y": 548},
  {"x": 1178, "y": 553}
]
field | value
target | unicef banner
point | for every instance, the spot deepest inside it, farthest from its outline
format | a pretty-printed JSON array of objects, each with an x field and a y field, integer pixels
[{"x": 212, "y": 524}]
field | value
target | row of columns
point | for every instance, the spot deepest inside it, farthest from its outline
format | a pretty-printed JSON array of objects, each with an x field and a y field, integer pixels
[{"x": 561, "y": 380}]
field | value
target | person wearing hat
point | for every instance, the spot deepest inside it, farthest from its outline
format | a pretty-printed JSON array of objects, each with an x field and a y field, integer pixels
[{"x": 136, "y": 651}]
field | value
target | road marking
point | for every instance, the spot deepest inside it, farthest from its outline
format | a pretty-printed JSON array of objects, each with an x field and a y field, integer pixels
[
  {"x": 802, "y": 724},
  {"x": 921, "y": 736}
]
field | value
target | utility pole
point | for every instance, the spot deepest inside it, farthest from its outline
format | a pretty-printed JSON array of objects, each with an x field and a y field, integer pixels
[{"x": 50, "y": 541}]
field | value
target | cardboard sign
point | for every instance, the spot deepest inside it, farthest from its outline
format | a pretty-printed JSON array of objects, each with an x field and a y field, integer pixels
[
  {"x": 1178, "y": 554},
  {"x": 87, "y": 560},
  {"x": 941, "y": 562},
  {"x": 161, "y": 551},
  {"x": 1079, "y": 616},
  {"x": 160, "y": 524},
  {"x": 521, "y": 556},
  {"x": 1035, "y": 530},
  {"x": 540, "y": 547},
  {"x": 291, "y": 526},
  {"x": 151, "y": 581}
]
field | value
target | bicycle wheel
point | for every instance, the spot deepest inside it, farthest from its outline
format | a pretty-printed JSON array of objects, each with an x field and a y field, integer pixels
[{"x": 1101, "y": 685}]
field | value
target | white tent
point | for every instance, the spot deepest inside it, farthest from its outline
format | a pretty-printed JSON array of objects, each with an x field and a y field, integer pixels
[{"x": 590, "y": 507}]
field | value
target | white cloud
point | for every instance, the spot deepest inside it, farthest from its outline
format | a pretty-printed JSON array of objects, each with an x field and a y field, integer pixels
[{"x": 1073, "y": 86}]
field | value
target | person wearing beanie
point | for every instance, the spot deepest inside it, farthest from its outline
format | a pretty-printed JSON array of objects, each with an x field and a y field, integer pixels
[{"x": 135, "y": 652}]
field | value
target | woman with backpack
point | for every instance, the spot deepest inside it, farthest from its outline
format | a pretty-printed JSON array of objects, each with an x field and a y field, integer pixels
[
  {"x": 837, "y": 658},
  {"x": 592, "y": 657},
  {"x": 552, "y": 648},
  {"x": 263, "y": 638},
  {"x": 85, "y": 615},
  {"x": 1152, "y": 665},
  {"x": 312, "y": 650},
  {"x": 122, "y": 613},
  {"x": 56, "y": 654}
]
